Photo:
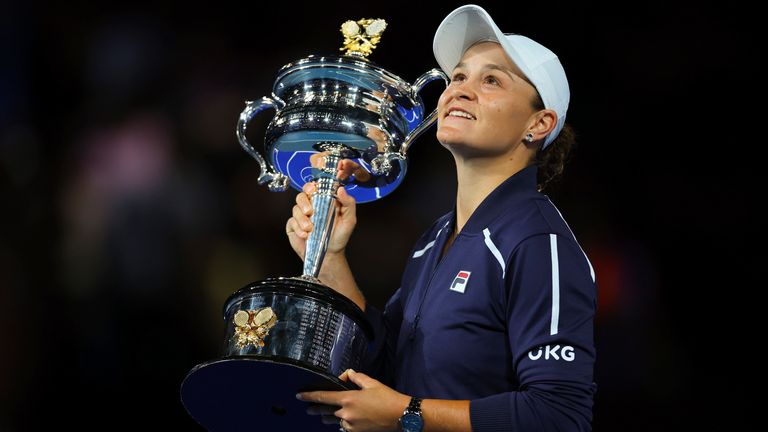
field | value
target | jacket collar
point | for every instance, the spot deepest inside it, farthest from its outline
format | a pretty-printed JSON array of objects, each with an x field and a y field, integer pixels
[{"x": 506, "y": 195}]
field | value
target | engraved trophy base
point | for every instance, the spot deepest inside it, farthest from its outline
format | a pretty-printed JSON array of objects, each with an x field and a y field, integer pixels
[{"x": 284, "y": 335}]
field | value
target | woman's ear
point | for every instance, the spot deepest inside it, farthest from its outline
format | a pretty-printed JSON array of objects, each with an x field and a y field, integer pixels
[{"x": 542, "y": 123}]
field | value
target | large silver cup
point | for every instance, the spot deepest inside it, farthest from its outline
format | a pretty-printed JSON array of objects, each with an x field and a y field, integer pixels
[{"x": 285, "y": 335}]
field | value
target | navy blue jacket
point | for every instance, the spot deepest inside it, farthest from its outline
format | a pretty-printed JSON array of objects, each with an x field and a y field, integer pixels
[{"x": 504, "y": 319}]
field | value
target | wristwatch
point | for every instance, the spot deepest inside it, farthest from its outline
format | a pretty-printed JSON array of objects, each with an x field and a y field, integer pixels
[{"x": 411, "y": 421}]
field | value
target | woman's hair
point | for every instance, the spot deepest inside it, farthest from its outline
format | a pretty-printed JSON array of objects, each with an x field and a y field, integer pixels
[{"x": 551, "y": 160}]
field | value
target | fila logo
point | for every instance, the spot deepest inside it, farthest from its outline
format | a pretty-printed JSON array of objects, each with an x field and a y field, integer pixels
[
  {"x": 567, "y": 353},
  {"x": 460, "y": 281}
]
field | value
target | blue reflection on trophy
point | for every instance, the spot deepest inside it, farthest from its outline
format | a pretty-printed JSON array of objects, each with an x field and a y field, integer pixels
[{"x": 290, "y": 334}]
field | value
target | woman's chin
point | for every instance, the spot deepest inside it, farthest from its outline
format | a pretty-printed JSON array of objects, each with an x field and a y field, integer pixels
[
  {"x": 464, "y": 150},
  {"x": 451, "y": 139}
]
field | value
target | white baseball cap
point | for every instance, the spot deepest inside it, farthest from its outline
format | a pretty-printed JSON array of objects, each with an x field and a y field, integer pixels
[{"x": 471, "y": 24}]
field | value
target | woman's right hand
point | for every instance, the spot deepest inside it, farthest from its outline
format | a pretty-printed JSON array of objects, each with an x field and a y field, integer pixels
[{"x": 299, "y": 225}]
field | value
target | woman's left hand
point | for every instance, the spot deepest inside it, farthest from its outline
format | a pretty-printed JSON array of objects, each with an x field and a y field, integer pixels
[{"x": 375, "y": 407}]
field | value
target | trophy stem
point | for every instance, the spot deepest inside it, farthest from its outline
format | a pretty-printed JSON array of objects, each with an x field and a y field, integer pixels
[{"x": 324, "y": 209}]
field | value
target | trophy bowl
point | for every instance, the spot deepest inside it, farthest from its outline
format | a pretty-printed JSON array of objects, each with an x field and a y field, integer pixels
[
  {"x": 291, "y": 334},
  {"x": 370, "y": 113}
]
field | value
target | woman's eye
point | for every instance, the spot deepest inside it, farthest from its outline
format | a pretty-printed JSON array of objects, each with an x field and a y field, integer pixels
[
  {"x": 491, "y": 80},
  {"x": 458, "y": 77}
]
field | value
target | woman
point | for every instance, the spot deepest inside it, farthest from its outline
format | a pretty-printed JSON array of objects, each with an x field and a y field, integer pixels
[{"x": 492, "y": 327}]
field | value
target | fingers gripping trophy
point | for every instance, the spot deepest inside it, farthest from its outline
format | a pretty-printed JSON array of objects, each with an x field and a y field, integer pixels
[{"x": 290, "y": 334}]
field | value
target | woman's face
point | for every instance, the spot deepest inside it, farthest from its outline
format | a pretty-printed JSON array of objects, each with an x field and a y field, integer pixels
[{"x": 487, "y": 108}]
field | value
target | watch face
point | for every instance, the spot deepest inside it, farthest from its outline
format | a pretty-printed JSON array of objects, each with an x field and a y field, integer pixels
[{"x": 412, "y": 422}]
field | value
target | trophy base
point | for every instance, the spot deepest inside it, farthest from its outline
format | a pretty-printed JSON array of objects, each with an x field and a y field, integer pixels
[
  {"x": 284, "y": 336},
  {"x": 255, "y": 394}
]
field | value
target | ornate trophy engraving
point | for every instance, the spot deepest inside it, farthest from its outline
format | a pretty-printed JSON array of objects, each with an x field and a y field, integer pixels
[{"x": 290, "y": 334}]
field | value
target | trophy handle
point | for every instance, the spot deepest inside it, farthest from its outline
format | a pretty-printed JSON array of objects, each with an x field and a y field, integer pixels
[
  {"x": 420, "y": 82},
  {"x": 277, "y": 182}
]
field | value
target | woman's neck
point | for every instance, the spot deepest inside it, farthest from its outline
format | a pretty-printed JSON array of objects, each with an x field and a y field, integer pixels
[{"x": 477, "y": 178}]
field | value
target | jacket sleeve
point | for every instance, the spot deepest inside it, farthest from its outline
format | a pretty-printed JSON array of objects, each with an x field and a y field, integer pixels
[
  {"x": 551, "y": 304},
  {"x": 379, "y": 361}
]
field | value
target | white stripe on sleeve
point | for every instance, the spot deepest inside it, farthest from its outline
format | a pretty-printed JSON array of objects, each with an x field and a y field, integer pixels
[
  {"x": 555, "y": 286},
  {"x": 429, "y": 245},
  {"x": 420, "y": 252},
  {"x": 495, "y": 251},
  {"x": 591, "y": 269}
]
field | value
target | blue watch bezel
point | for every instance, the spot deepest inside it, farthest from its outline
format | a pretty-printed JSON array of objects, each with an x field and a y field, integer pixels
[{"x": 411, "y": 422}]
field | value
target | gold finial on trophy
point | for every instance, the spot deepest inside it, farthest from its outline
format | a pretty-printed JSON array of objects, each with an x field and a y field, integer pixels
[{"x": 361, "y": 37}]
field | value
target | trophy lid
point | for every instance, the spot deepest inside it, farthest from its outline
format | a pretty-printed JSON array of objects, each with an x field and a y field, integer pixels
[{"x": 361, "y": 37}]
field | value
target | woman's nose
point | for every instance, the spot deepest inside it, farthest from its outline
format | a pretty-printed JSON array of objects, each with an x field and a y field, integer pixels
[
  {"x": 461, "y": 91},
  {"x": 455, "y": 91}
]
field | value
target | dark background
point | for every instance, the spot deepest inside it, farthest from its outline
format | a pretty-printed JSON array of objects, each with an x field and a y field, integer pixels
[{"x": 129, "y": 211}]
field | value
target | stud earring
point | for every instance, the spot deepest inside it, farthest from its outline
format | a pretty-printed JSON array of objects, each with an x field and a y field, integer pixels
[{"x": 529, "y": 137}]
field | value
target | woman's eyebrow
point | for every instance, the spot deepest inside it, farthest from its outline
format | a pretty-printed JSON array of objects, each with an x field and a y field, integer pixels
[
  {"x": 509, "y": 72},
  {"x": 494, "y": 66}
]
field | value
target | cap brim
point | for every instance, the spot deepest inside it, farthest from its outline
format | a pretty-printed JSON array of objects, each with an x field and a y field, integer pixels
[{"x": 465, "y": 27}]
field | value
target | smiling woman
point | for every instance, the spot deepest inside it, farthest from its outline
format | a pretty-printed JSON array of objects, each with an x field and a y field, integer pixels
[
  {"x": 488, "y": 106},
  {"x": 492, "y": 326}
]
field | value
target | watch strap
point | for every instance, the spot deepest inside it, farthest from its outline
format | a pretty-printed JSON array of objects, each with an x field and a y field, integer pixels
[{"x": 414, "y": 406}]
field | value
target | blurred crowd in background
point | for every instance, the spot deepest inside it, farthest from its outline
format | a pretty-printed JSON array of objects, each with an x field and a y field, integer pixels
[{"x": 130, "y": 212}]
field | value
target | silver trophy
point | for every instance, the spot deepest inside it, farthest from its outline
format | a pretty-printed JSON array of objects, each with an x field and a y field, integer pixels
[{"x": 290, "y": 334}]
